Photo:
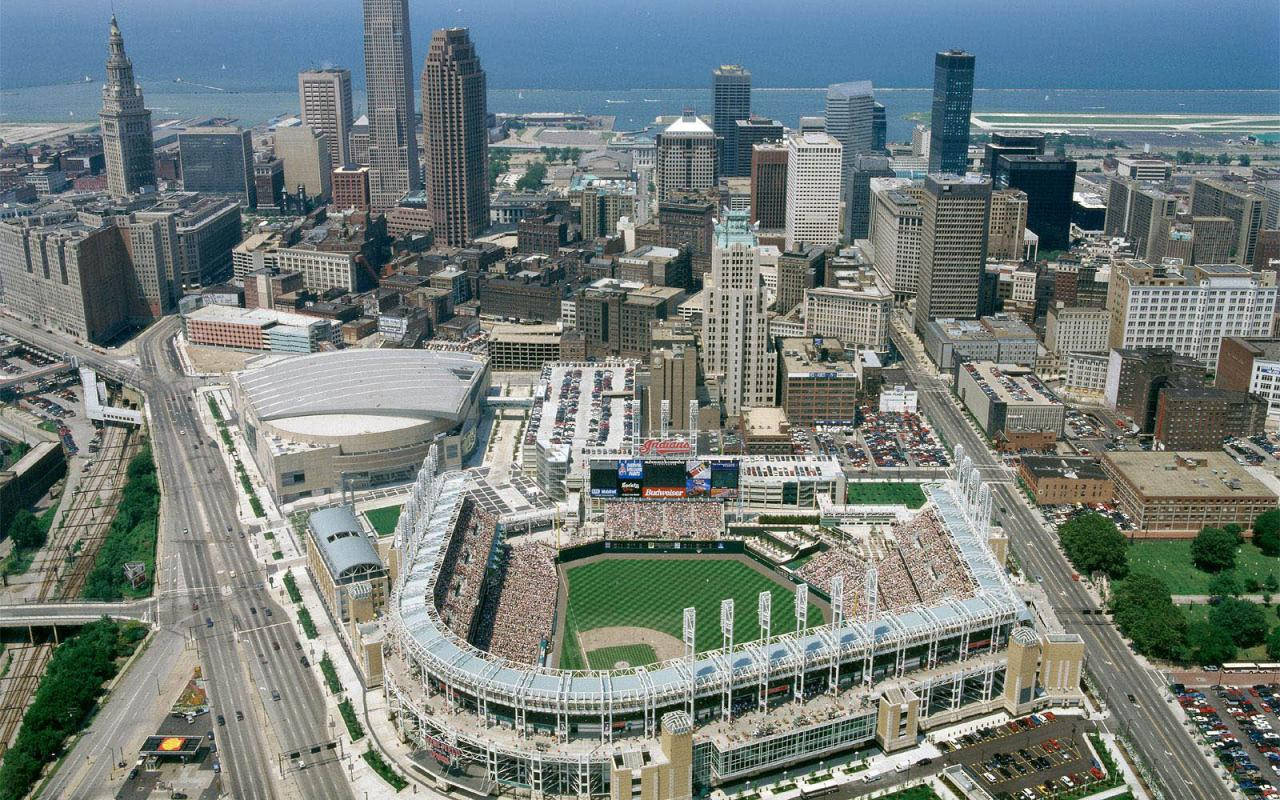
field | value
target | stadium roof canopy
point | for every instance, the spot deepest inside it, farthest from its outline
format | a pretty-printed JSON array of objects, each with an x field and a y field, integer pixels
[{"x": 423, "y": 384}]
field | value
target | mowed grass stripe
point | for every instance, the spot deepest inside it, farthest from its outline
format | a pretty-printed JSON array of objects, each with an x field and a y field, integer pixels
[
  {"x": 384, "y": 519},
  {"x": 653, "y": 593},
  {"x": 633, "y": 654}
]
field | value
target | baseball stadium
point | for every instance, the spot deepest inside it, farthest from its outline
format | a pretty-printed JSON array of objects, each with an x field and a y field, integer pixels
[{"x": 660, "y": 649}]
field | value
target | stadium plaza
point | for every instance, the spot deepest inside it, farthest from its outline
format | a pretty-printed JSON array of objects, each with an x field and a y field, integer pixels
[{"x": 939, "y": 648}]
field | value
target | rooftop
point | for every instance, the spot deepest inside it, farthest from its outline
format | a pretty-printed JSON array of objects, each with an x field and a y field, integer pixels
[
  {"x": 688, "y": 124},
  {"x": 1010, "y": 383},
  {"x": 1186, "y": 475},
  {"x": 260, "y": 317},
  {"x": 341, "y": 541},
  {"x": 1064, "y": 467}
]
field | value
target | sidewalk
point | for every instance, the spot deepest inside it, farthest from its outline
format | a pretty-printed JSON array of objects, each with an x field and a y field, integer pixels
[{"x": 244, "y": 512}]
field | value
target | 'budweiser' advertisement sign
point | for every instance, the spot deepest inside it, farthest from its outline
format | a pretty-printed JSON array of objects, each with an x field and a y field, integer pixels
[{"x": 665, "y": 447}]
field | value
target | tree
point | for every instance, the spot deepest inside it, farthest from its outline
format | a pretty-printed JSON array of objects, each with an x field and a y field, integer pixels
[
  {"x": 1225, "y": 584},
  {"x": 1244, "y": 621},
  {"x": 1223, "y": 159},
  {"x": 1214, "y": 549},
  {"x": 1094, "y": 544},
  {"x": 1245, "y": 160},
  {"x": 1210, "y": 644},
  {"x": 1266, "y": 532},
  {"x": 1144, "y": 611},
  {"x": 1273, "y": 644},
  {"x": 531, "y": 180},
  {"x": 25, "y": 531},
  {"x": 1270, "y": 583}
]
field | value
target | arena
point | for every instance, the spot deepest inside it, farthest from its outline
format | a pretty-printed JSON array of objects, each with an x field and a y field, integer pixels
[
  {"x": 713, "y": 660},
  {"x": 356, "y": 419}
]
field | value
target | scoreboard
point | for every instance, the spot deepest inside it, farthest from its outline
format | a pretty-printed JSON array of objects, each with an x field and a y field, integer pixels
[{"x": 664, "y": 479}]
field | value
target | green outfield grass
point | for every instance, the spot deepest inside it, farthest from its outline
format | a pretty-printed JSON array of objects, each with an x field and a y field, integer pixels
[
  {"x": 632, "y": 654},
  {"x": 384, "y": 519},
  {"x": 886, "y": 494},
  {"x": 653, "y": 593},
  {"x": 1171, "y": 562}
]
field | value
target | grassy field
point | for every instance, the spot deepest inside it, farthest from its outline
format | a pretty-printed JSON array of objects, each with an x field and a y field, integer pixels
[
  {"x": 1171, "y": 561},
  {"x": 632, "y": 654},
  {"x": 1200, "y": 613},
  {"x": 384, "y": 519},
  {"x": 914, "y": 793},
  {"x": 880, "y": 494},
  {"x": 653, "y": 593}
]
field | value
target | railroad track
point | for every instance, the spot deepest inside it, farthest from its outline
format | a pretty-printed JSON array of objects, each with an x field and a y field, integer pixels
[{"x": 22, "y": 679}]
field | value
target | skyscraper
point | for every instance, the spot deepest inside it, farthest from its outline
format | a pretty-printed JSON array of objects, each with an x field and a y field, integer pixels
[
  {"x": 769, "y": 185},
  {"x": 325, "y": 96},
  {"x": 879, "y": 128},
  {"x": 952, "y": 105},
  {"x": 1216, "y": 197},
  {"x": 126, "y": 124},
  {"x": 858, "y": 192},
  {"x": 953, "y": 247},
  {"x": 686, "y": 157},
  {"x": 388, "y": 78},
  {"x": 735, "y": 325},
  {"x": 851, "y": 117},
  {"x": 1049, "y": 182},
  {"x": 731, "y": 93},
  {"x": 1011, "y": 143},
  {"x": 455, "y": 138},
  {"x": 747, "y": 134},
  {"x": 813, "y": 189},
  {"x": 305, "y": 153},
  {"x": 218, "y": 160}
]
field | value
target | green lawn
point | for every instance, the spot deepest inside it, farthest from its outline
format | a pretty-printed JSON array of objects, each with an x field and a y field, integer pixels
[
  {"x": 914, "y": 793},
  {"x": 384, "y": 519},
  {"x": 633, "y": 654},
  {"x": 1200, "y": 613},
  {"x": 653, "y": 593},
  {"x": 881, "y": 494},
  {"x": 1171, "y": 561}
]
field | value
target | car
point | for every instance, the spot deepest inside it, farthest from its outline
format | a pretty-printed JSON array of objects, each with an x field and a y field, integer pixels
[
  {"x": 239, "y": 716},
  {"x": 266, "y": 611},
  {"x": 275, "y": 695},
  {"x": 275, "y": 646},
  {"x": 304, "y": 662},
  {"x": 208, "y": 622},
  {"x": 1132, "y": 699},
  {"x": 253, "y": 609},
  {"x": 222, "y": 720}
]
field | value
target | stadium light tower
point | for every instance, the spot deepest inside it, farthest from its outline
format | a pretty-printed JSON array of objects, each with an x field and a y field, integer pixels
[
  {"x": 802, "y": 607},
  {"x": 726, "y": 641},
  {"x": 726, "y": 623},
  {"x": 764, "y": 616},
  {"x": 690, "y": 641},
  {"x": 837, "y": 600}
]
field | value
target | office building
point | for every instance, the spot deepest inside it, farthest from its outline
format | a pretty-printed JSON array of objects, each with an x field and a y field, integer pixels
[
  {"x": 1135, "y": 378},
  {"x": 343, "y": 560},
  {"x": 388, "y": 81},
  {"x": 896, "y": 232},
  {"x": 686, "y": 157},
  {"x": 953, "y": 244},
  {"x": 859, "y": 317},
  {"x": 1251, "y": 365},
  {"x": 798, "y": 270},
  {"x": 1203, "y": 417},
  {"x": 952, "y": 106},
  {"x": 259, "y": 329},
  {"x": 1049, "y": 182},
  {"x": 1188, "y": 309},
  {"x": 1174, "y": 494},
  {"x": 1156, "y": 170},
  {"x": 350, "y": 186},
  {"x": 1007, "y": 230},
  {"x": 1195, "y": 240},
  {"x": 218, "y": 160},
  {"x": 735, "y": 323},
  {"x": 673, "y": 377},
  {"x": 455, "y": 137},
  {"x": 687, "y": 219},
  {"x": 305, "y": 153},
  {"x": 769, "y": 185},
  {"x": 1063, "y": 480},
  {"x": 1000, "y": 338},
  {"x": 268, "y": 181},
  {"x": 614, "y": 316},
  {"x": 920, "y": 142},
  {"x": 813, "y": 189},
  {"x": 1075, "y": 329},
  {"x": 819, "y": 385},
  {"x": 125, "y": 121},
  {"x": 1008, "y": 399},
  {"x": 850, "y": 113},
  {"x": 1086, "y": 374},
  {"x": 321, "y": 270},
  {"x": 1011, "y": 143},
  {"x": 862, "y": 171},
  {"x": 747, "y": 134},
  {"x": 879, "y": 128},
  {"x": 654, "y": 265},
  {"x": 325, "y": 95},
  {"x": 1216, "y": 197},
  {"x": 541, "y": 232},
  {"x": 731, "y": 97},
  {"x": 524, "y": 347},
  {"x": 1138, "y": 212}
]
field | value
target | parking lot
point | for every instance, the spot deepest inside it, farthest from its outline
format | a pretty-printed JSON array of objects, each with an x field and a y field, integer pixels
[
  {"x": 1241, "y": 726},
  {"x": 880, "y": 441},
  {"x": 1039, "y": 756}
]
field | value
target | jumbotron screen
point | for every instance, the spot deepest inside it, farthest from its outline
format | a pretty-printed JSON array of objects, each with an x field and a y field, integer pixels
[{"x": 659, "y": 479}]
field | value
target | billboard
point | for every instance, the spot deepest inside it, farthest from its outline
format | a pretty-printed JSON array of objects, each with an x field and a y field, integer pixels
[
  {"x": 604, "y": 480},
  {"x": 631, "y": 469},
  {"x": 724, "y": 478},
  {"x": 665, "y": 447},
  {"x": 697, "y": 478}
]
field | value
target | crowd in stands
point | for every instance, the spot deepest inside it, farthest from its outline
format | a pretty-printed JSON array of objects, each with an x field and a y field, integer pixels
[
  {"x": 462, "y": 567},
  {"x": 666, "y": 519},
  {"x": 519, "y": 613},
  {"x": 923, "y": 567}
]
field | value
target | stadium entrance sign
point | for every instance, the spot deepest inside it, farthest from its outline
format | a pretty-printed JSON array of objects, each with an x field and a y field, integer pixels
[{"x": 665, "y": 447}]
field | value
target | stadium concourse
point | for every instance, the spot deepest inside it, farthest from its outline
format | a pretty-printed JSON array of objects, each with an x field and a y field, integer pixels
[{"x": 916, "y": 626}]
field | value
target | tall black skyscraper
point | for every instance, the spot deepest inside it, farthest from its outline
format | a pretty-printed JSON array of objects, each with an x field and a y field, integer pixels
[
  {"x": 879, "y": 128},
  {"x": 1049, "y": 182},
  {"x": 952, "y": 105},
  {"x": 731, "y": 91}
]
